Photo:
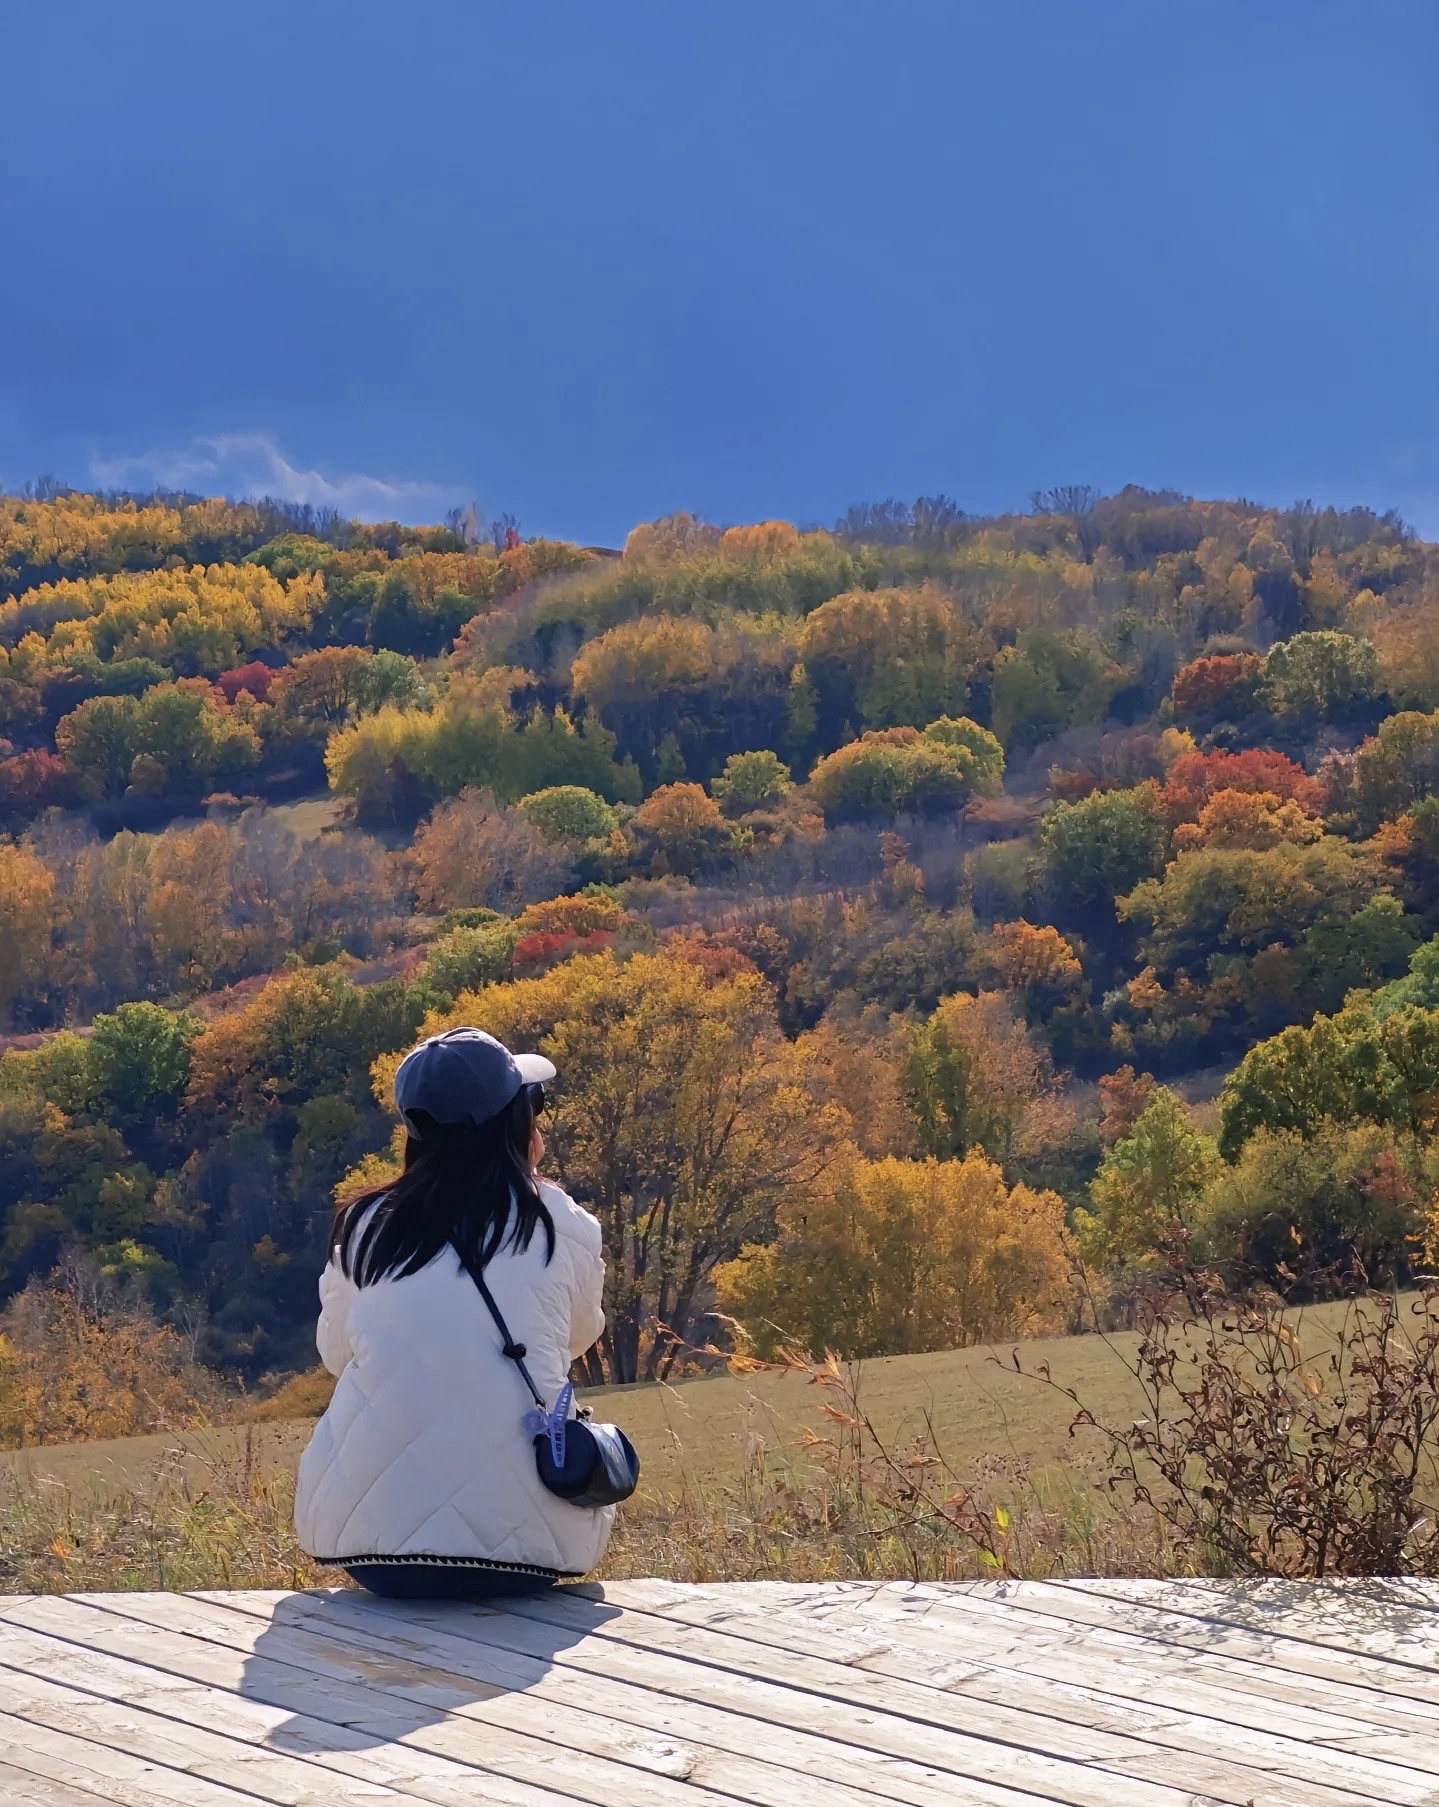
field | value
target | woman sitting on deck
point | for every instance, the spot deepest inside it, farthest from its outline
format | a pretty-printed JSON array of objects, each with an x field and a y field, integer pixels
[{"x": 419, "y": 1479}]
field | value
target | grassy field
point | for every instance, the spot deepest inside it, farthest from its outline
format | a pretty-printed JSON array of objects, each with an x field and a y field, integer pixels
[
  {"x": 309, "y": 817},
  {"x": 706, "y": 1431},
  {"x": 734, "y": 1485}
]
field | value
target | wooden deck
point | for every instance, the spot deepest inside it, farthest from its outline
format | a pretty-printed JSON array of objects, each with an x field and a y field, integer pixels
[{"x": 650, "y": 1694}]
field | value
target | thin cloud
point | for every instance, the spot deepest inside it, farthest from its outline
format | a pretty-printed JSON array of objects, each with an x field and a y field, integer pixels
[{"x": 252, "y": 464}]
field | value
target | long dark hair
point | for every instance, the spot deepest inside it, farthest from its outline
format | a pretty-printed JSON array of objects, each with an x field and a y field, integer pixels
[{"x": 465, "y": 1184}]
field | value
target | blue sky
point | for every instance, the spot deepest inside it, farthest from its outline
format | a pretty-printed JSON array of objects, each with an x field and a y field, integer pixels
[{"x": 592, "y": 263}]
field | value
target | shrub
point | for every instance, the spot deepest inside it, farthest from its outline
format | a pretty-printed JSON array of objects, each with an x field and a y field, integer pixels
[
  {"x": 568, "y": 812},
  {"x": 1264, "y": 1450},
  {"x": 81, "y": 1359},
  {"x": 895, "y": 771}
]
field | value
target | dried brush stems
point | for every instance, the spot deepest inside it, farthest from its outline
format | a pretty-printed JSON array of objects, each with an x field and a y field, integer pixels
[{"x": 1266, "y": 1451}]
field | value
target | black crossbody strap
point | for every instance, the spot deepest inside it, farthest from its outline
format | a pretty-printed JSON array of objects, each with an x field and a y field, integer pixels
[{"x": 515, "y": 1351}]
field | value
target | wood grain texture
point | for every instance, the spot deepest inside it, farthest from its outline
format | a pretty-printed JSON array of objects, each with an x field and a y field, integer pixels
[{"x": 656, "y": 1694}]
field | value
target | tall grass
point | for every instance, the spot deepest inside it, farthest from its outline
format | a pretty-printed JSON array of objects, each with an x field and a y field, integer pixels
[
  {"x": 173, "y": 1530},
  {"x": 198, "y": 1522}
]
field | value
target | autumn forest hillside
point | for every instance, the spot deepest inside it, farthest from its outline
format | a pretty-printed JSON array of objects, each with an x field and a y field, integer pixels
[{"x": 941, "y": 923}]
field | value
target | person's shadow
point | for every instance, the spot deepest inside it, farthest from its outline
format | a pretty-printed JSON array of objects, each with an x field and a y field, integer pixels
[{"x": 355, "y": 1672}]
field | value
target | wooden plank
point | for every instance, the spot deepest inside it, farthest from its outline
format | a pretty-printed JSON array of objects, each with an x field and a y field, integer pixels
[
  {"x": 1065, "y": 1603},
  {"x": 1079, "y": 1694},
  {"x": 1178, "y": 1711},
  {"x": 174, "y": 1739},
  {"x": 23, "y": 1788},
  {"x": 345, "y": 1618},
  {"x": 1014, "y": 1745},
  {"x": 979, "y": 1613},
  {"x": 583, "y": 1750},
  {"x": 1369, "y": 1620},
  {"x": 1342, "y": 1590},
  {"x": 379, "y": 1708},
  {"x": 107, "y": 1683},
  {"x": 988, "y": 1774},
  {"x": 107, "y": 1774},
  {"x": 985, "y": 1633},
  {"x": 1221, "y": 1759}
]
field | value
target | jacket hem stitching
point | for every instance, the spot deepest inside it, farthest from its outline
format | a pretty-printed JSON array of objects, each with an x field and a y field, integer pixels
[{"x": 454, "y": 1562}]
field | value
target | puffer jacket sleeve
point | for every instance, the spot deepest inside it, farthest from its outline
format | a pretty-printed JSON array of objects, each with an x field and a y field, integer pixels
[
  {"x": 587, "y": 1300},
  {"x": 332, "y": 1333}
]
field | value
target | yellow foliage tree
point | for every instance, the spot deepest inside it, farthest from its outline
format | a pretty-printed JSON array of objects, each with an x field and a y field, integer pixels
[
  {"x": 27, "y": 924},
  {"x": 635, "y": 661},
  {"x": 1032, "y": 957},
  {"x": 682, "y": 1117},
  {"x": 194, "y": 621},
  {"x": 679, "y": 827},
  {"x": 978, "y": 1078},
  {"x": 896, "y": 1257},
  {"x": 884, "y": 658},
  {"x": 764, "y": 540}
]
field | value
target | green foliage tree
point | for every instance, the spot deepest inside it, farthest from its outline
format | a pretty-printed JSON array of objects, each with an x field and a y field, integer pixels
[
  {"x": 140, "y": 1060},
  {"x": 750, "y": 781},
  {"x": 1104, "y": 845},
  {"x": 888, "y": 659},
  {"x": 1417, "y": 990},
  {"x": 1351, "y": 1068},
  {"x": 468, "y": 958},
  {"x": 1147, "y": 1190},
  {"x": 1047, "y": 682},
  {"x": 894, "y": 771},
  {"x": 1277, "y": 930},
  {"x": 1306, "y": 1212},
  {"x": 569, "y": 812},
  {"x": 173, "y": 736},
  {"x": 1398, "y": 766},
  {"x": 1320, "y": 673}
]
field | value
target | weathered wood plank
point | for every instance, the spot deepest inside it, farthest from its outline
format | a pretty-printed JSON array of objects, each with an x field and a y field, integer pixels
[
  {"x": 1031, "y": 1725},
  {"x": 23, "y": 1788},
  {"x": 966, "y": 1760},
  {"x": 882, "y": 1607},
  {"x": 652, "y": 1694},
  {"x": 1364, "y": 1619},
  {"x": 479, "y": 1720},
  {"x": 1067, "y": 1603},
  {"x": 1128, "y": 1663},
  {"x": 108, "y": 1680},
  {"x": 1178, "y": 1712},
  {"x": 168, "y": 1726},
  {"x": 105, "y": 1773},
  {"x": 348, "y": 1618}
]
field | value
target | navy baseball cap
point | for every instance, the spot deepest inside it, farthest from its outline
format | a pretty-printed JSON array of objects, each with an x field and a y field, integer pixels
[{"x": 463, "y": 1076}]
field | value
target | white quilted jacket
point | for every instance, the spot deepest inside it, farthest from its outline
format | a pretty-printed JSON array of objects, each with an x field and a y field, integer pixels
[{"x": 422, "y": 1451}]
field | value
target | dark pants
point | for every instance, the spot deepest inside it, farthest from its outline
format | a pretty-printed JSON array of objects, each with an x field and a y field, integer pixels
[{"x": 445, "y": 1581}]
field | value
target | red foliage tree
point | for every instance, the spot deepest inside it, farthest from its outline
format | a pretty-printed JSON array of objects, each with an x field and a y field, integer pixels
[
  {"x": 716, "y": 959},
  {"x": 256, "y": 677},
  {"x": 534, "y": 953},
  {"x": 1195, "y": 777},
  {"x": 1225, "y": 682},
  {"x": 36, "y": 780}
]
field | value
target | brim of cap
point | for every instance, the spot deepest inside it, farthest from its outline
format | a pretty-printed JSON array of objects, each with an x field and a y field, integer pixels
[{"x": 535, "y": 1069}]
